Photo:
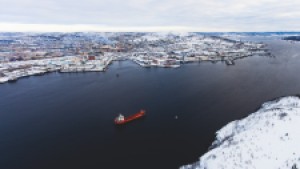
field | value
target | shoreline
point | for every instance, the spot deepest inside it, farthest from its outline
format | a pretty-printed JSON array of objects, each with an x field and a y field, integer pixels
[
  {"x": 236, "y": 140},
  {"x": 40, "y": 67}
]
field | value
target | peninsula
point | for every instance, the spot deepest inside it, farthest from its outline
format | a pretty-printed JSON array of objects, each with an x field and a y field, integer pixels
[{"x": 27, "y": 54}]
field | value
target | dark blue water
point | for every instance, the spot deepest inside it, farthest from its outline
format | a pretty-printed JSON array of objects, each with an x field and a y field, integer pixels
[{"x": 66, "y": 120}]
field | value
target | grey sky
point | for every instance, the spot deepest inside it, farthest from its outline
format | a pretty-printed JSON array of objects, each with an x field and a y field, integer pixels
[{"x": 126, "y": 15}]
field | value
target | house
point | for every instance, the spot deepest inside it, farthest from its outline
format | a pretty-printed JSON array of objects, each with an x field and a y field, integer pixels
[{"x": 91, "y": 57}]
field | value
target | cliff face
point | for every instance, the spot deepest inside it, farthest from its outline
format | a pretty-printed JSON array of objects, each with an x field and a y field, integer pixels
[{"x": 266, "y": 139}]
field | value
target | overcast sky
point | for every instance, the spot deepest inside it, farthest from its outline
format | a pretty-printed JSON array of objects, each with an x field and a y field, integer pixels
[{"x": 150, "y": 15}]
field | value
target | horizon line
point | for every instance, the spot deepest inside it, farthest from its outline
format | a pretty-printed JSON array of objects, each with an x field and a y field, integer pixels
[{"x": 44, "y": 28}]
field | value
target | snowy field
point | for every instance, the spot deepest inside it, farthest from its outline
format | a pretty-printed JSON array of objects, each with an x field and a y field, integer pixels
[{"x": 266, "y": 139}]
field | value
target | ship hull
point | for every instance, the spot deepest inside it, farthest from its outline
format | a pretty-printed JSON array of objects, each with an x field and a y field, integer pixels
[{"x": 131, "y": 118}]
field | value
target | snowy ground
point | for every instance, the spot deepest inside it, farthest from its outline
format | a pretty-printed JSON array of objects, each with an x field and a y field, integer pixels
[{"x": 266, "y": 139}]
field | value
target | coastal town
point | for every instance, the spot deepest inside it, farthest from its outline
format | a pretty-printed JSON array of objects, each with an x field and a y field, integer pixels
[{"x": 28, "y": 54}]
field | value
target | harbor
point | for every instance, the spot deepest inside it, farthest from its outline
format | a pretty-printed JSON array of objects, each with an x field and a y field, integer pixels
[{"x": 72, "y": 115}]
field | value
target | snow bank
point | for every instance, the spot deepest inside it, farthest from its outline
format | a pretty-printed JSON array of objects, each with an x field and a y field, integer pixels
[{"x": 266, "y": 139}]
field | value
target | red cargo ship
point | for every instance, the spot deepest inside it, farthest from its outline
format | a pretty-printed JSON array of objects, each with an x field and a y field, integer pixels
[{"x": 122, "y": 120}]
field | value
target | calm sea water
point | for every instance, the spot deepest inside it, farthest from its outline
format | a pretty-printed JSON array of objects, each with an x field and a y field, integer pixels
[{"x": 66, "y": 120}]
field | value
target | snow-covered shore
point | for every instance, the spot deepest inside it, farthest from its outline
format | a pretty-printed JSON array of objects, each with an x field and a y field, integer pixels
[{"x": 266, "y": 139}]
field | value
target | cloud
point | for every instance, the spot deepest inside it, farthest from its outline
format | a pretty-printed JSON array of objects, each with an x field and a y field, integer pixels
[{"x": 198, "y": 15}]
